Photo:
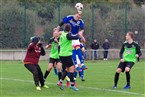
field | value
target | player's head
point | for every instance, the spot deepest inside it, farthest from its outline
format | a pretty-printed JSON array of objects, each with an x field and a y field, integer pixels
[
  {"x": 56, "y": 34},
  {"x": 35, "y": 39},
  {"x": 67, "y": 27},
  {"x": 129, "y": 35},
  {"x": 78, "y": 15}
]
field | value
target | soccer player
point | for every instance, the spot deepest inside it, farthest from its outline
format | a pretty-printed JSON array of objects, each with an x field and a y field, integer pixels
[
  {"x": 54, "y": 56},
  {"x": 34, "y": 50},
  {"x": 77, "y": 26},
  {"x": 128, "y": 54},
  {"x": 65, "y": 54}
]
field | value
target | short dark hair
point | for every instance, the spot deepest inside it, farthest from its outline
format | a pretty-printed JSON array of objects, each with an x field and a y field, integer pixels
[
  {"x": 67, "y": 27},
  {"x": 131, "y": 34},
  {"x": 35, "y": 39}
]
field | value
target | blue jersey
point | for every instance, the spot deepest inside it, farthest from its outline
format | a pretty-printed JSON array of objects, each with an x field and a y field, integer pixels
[{"x": 75, "y": 25}]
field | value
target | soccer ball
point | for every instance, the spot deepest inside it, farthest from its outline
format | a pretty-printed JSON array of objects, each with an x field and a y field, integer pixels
[
  {"x": 136, "y": 32},
  {"x": 79, "y": 6}
]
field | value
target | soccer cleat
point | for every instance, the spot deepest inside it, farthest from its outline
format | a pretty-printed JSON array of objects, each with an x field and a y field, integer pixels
[
  {"x": 84, "y": 67},
  {"x": 127, "y": 87},
  {"x": 74, "y": 88},
  {"x": 45, "y": 86},
  {"x": 114, "y": 87},
  {"x": 38, "y": 88},
  {"x": 83, "y": 79},
  {"x": 67, "y": 83},
  {"x": 60, "y": 85}
]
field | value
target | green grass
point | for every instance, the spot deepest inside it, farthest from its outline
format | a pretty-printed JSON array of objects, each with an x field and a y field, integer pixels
[{"x": 17, "y": 81}]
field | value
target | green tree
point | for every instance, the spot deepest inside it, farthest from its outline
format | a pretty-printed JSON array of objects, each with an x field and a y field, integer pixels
[{"x": 12, "y": 25}]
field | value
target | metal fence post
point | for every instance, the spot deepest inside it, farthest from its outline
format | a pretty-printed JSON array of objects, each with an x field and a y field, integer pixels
[
  {"x": 126, "y": 17},
  {"x": 92, "y": 21},
  {"x": 24, "y": 40},
  {"x": 58, "y": 11}
]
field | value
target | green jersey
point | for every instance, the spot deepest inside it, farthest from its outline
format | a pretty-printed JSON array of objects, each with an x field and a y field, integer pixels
[
  {"x": 128, "y": 51},
  {"x": 54, "y": 49},
  {"x": 65, "y": 45}
]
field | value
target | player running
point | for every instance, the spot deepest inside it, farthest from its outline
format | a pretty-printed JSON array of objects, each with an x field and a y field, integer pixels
[{"x": 128, "y": 54}]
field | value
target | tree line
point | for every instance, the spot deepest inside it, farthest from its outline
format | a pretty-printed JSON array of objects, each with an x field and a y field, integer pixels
[{"x": 109, "y": 20}]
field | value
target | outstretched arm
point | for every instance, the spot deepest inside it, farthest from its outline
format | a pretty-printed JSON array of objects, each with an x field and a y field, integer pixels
[{"x": 71, "y": 37}]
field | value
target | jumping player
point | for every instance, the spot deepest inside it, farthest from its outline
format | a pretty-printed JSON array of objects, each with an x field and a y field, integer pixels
[{"x": 77, "y": 26}]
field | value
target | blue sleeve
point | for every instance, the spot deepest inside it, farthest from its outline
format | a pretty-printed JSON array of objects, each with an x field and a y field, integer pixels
[{"x": 66, "y": 19}]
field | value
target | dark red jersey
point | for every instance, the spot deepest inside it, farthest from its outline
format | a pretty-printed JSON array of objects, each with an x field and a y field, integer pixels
[{"x": 33, "y": 54}]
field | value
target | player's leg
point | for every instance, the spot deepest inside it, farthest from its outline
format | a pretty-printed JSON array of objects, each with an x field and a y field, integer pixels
[
  {"x": 127, "y": 71},
  {"x": 71, "y": 70},
  {"x": 76, "y": 61},
  {"x": 68, "y": 62},
  {"x": 32, "y": 68},
  {"x": 76, "y": 45},
  {"x": 80, "y": 55},
  {"x": 50, "y": 66},
  {"x": 74, "y": 53},
  {"x": 59, "y": 66},
  {"x": 81, "y": 71},
  {"x": 85, "y": 55},
  {"x": 64, "y": 61},
  {"x": 81, "y": 62},
  {"x": 78, "y": 66},
  {"x": 41, "y": 79},
  {"x": 60, "y": 82},
  {"x": 73, "y": 74},
  {"x": 55, "y": 69},
  {"x": 120, "y": 68},
  {"x": 82, "y": 75}
]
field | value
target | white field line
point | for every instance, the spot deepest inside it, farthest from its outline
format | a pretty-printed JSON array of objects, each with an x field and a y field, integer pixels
[{"x": 93, "y": 88}]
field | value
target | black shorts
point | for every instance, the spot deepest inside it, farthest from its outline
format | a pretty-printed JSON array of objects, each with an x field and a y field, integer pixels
[
  {"x": 66, "y": 61},
  {"x": 52, "y": 60},
  {"x": 125, "y": 64}
]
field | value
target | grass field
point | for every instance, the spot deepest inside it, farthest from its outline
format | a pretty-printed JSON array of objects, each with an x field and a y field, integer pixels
[{"x": 17, "y": 81}]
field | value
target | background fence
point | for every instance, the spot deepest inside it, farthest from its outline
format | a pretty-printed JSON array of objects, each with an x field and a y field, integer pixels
[
  {"x": 20, "y": 54},
  {"x": 21, "y": 19}
]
